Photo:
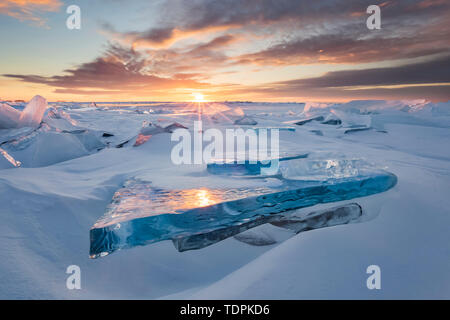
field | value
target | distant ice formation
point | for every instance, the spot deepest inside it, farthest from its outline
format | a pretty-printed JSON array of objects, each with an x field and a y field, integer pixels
[
  {"x": 297, "y": 221},
  {"x": 35, "y": 140},
  {"x": 141, "y": 213},
  {"x": 246, "y": 167},
  {"x": 147, "y": 131},
  {"x": 31, "y": 116}
]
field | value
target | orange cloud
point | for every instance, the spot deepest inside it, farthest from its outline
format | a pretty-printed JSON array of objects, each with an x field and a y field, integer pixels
[{"x": 29, "y": 10}]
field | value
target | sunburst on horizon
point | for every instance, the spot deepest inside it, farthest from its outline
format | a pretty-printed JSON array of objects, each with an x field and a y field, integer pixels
[{"x": 198, "y": 97}]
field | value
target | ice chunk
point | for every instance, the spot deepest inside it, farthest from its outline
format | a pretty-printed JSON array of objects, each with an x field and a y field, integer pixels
[
  {"x": 246, "y": 167},
  {"x": 267, "y": 129},
  {"x": 332, "y": 119},
  {"x": 314, "y": 106},
  {"x": 320, "y": 170},
  {"x": 47, "y": 148},
  {"x": 146, "y": 133},
  {"x": 32, "y": 115},
  {"x": 141, "y": 213},
  {"x": 9, "y": 117},
  {"x": 60, "y": 120},
  {"x": 90, "y": 140},
  {"x": 174, "y": 126},
  {"x": 58, "y": 113},
  {"x": 266, "y": 234},
  {"x": 356, "y": 130},
  {"x": 246, "y": 120}
]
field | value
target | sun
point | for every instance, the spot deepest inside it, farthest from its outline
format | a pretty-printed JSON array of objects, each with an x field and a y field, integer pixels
[{"x": 198, "y": 97}]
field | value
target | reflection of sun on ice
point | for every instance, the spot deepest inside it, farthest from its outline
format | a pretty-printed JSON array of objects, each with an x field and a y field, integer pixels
[
  {"x": 204, "y": 198},
  {"x": 198, "y": 97}
]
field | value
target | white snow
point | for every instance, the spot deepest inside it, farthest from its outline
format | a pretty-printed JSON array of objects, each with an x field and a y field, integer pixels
[{"x": 47, "y": 211}]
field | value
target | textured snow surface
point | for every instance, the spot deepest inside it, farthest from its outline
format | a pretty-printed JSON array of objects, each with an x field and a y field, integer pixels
[{"x": 71, "y": 169}]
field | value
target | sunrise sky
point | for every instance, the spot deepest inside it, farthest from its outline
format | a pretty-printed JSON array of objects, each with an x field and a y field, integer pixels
[{"x": 260, "y": 50}]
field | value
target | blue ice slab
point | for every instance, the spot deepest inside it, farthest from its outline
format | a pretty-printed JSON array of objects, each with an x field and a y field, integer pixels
[
  {"x": 288, "y": 129},
  {"x": 141, "y": 214},
  {"x": 246, "y": 167}
]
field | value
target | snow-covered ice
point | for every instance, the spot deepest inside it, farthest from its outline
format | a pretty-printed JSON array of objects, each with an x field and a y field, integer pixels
[
  {"x": 32, "y": 115},
  {"x": 9, "y": 117},
  {"x": 70, "y": 169}
]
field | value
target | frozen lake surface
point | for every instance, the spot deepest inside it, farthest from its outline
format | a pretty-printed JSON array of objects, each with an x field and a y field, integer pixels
[{"x": 82, "y": 167}]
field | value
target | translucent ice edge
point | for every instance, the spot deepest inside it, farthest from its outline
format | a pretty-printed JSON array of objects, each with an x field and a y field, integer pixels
[
  {"x": 114, "y": 234},
  {"x": 294, "y": 222}
]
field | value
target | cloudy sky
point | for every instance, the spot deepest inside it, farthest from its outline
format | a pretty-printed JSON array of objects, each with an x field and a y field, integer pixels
[{"x": 261, "y": 50}]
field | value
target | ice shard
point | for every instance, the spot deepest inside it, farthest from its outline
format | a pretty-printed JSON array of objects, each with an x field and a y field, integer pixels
[
  {"x": 9, "y": 117},
  {"x": 324, "y": 169},
  {"x": 141, "y": 214},
  {"x": 245, "y": 167},
  {"x": 286, "y": 129},
  {"x": 320, "y": 219},
  {"x": 356, "y": 130},
  {"x": 147, "y": 131},
  {"x": 49, "y": 144},
  {"x": 305, "y": 121},
  {"x": 7, "y": 161},
  {"x": 333, "y": 122}
]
